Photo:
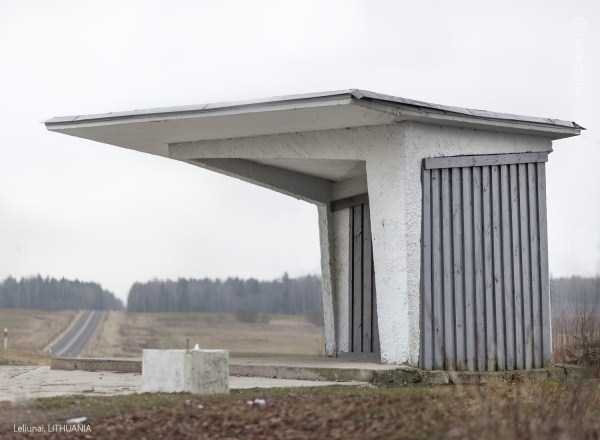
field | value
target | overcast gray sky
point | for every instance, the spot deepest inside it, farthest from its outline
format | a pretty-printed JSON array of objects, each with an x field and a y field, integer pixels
[{"x": 79, "y": 209}]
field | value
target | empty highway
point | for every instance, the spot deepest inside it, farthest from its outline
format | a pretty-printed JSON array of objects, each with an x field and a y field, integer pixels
[{"x": 72, "y": 343}]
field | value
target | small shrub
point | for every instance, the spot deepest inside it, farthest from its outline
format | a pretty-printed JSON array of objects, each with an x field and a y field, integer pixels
[{"x": 576, "y": 338}]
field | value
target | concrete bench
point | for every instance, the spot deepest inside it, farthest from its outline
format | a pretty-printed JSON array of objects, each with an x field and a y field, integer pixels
[{"x": 194, "y": 371}]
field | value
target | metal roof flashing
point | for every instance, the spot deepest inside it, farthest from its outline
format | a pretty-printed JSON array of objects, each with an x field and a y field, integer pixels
[{"x": 402, "y": 109}]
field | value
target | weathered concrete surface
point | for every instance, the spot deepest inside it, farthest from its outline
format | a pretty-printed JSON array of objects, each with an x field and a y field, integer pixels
[
  {"x": 325, "y": 369},
  {"x": 193, "y": 371},
  {"x": 327, "y": 276},
  {"x": 19, "y": 383},
  {"x": 332, "y": 370},
  {"x": 341, "y": 244},
  {"x": 294, "y": 367},
  {"x": 22, "y": 383}
]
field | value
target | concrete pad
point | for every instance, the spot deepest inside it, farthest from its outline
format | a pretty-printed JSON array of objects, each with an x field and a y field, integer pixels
[
  {"x": 309, "y": 362},
  {"x": 24, "y": 383},
  {"x": 194, "y": 371},
  {"x": 241, "y": 383},
  {"x": 270, "y": 366}
]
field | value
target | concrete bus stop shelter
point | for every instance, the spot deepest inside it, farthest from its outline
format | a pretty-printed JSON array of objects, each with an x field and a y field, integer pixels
[{"x": 432, "y": 218}]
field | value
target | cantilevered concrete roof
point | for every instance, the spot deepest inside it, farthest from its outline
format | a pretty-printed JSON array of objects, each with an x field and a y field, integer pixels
[{"x": 152, "y": 130}]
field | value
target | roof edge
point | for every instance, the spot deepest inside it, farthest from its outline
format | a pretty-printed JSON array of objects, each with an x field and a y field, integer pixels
[
  {"x": 200, "y": 109},
  {"x": 305, "y": 100},
  {"x": 462, "y": 111}
]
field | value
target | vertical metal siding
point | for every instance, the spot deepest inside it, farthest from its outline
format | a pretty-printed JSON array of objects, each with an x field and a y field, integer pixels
[
  {"x": 485, "y": 303},
  {"x": 364, "y": 337}
]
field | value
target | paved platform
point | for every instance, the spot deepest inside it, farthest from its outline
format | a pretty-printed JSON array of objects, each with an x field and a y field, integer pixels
[
  {"x": 23, "y": 383},
  {"x": 322, "y": 369},
  {"x": 279, "y": 367}
]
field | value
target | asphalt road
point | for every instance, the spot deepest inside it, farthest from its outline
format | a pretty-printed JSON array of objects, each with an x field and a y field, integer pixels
[{"x": 75, "y": 340}]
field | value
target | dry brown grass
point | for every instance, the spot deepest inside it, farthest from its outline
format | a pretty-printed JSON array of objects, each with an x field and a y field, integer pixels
[
  {"x": 125, "y": 334},
  {"x": 32, "y": 330},
  {"x": 527, "y": 411},
  {"x": 576, "y": 338},
  {"x": 16, "y": 357}
]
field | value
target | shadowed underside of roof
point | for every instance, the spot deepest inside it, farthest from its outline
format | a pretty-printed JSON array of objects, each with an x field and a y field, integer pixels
[{"x": 152, "y": 130}]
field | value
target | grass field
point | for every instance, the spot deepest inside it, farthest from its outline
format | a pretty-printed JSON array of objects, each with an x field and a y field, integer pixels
[
  {"x": 505, "y": 411},
  {"x": 125, "y": 334},
  {"x": 32, "y": 330}
]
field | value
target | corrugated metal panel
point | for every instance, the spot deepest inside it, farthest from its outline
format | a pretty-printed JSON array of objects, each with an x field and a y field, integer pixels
[
  {"x": 364, "y": 335},
  {"x": 485, "y": 303}
]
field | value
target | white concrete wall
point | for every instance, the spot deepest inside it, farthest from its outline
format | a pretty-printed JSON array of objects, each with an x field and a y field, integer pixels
[
  {"x": 394, "y": 180},
  {"x": 341, "y": 244},
  {"x": 420, "y": 141},
  {"x": 350, "y": 187},
  {"x": 327, "y": 276},
  {"x": 393, "y": 155}
]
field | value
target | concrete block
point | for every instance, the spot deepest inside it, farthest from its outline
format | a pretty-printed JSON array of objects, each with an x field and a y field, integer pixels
[{"x": 193, "y": 371}]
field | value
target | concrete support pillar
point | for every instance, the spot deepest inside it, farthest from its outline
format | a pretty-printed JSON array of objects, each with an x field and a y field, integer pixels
[
  {"x": 387, "y": 198},
  {"x": 327, "y": 274}
]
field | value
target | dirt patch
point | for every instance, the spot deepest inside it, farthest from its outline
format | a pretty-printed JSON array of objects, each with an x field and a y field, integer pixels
[{"x": 515, "y": 411}]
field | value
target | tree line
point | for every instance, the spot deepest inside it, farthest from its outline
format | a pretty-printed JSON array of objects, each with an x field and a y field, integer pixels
[
  {"x": 575, "y": 294},
  {"x": 297, "y": 296},
  {"x": 55, "y": 294},
  {"x": 285, "y": 295}
]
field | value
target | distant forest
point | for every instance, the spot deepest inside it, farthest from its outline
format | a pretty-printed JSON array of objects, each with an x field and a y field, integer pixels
[
  {"x": 295, "y": 296},
  {"x": 285, "y": 295},
  {"x": 301, "y": 295},
  {"x": 575, "y": 294},
  {"x": 52, "y": 294}
]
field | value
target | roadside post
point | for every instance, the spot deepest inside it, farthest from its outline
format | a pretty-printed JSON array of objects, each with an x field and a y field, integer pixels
[{"x": 5, "y": 339}]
